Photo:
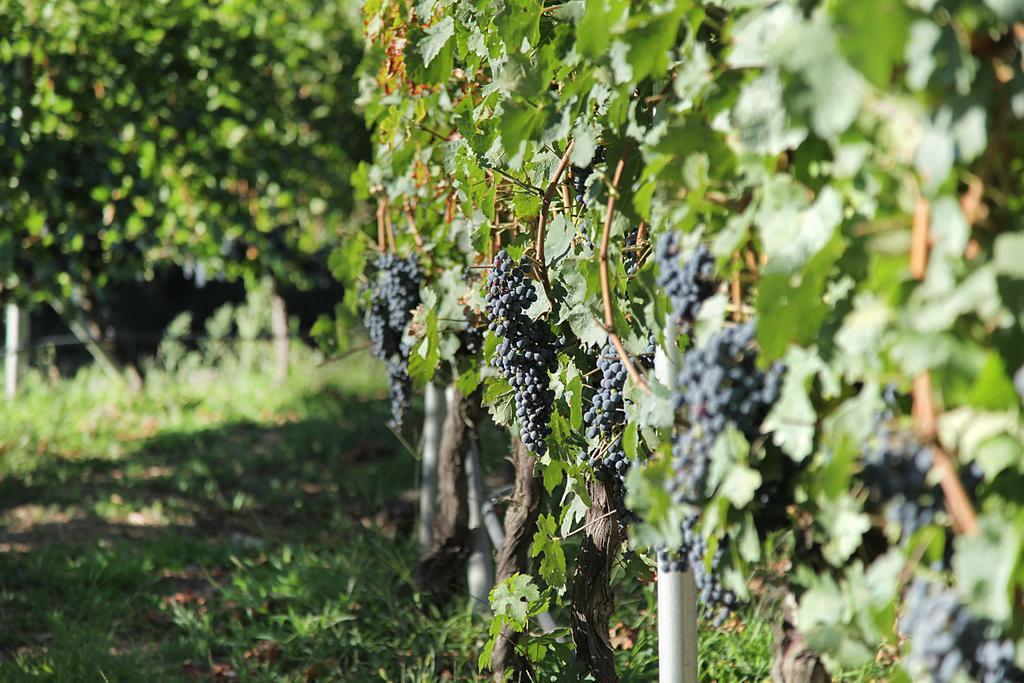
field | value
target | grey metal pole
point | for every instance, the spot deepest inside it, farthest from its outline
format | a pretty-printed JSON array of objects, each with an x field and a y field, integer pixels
[
  {"x": 16, "y": 324},
  {"x": 433, "y": 422},
  {"x": 480, "y": 568},
  {"x": 677, "y": 592}
]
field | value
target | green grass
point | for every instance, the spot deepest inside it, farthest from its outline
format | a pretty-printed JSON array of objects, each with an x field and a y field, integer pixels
[{"x": 216, "y": 527}]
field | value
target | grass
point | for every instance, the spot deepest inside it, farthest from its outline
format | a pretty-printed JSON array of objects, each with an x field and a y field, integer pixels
[{"x": 218, "y": 527}]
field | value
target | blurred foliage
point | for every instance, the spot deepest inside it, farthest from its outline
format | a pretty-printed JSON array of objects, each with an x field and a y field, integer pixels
[
  {"x": 216, "y": 136},
  {"x": 854, "y": 166}
]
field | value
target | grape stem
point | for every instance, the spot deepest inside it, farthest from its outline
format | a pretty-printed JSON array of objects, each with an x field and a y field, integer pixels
[
  {"x": 751, "y": 261},
  {"x": 587, "y": 525},
  {"x": 964, "y": 518},
  {"x": 915, "y": 557},
  {"x": 389, "y": 230},
  {"x": 381, "y": 241},
  {"x": 736, "y": 290},
  {"x": 641, "y": 235},
  {"x": 606, "y": 296},
  {"x": 566, "y": 200},
  {"x": 919, "y": 239},
  {"x": 343, "y": 355},
  {"x": 412, "y": 226},
  {"x": 542, "y": 271},
  {"x": 961, "y": 511},
  {"x": 515, "y": 181}
]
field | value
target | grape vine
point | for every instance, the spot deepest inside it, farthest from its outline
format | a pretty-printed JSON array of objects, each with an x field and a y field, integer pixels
[
  {"x": 689, "y": 286},
  {"x": 828, "y": 213},
  {"x": 527, "y": 351},
  {"x": 580, "y": 176},
  {"x": 717, "y": 600},
  {"x": 604, "y": 421},
  {"x": 947, "y": 639},
  {"x": 394, "y": 294},
  {"x": 719, "y": 385}
]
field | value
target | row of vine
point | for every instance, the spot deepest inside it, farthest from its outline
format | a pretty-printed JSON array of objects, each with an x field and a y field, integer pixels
[{"x": 750, "y": 277}]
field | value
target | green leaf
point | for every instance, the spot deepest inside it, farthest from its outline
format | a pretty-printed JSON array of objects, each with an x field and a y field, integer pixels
[
  {"x": 844, "y": 526},
  {"x": 921, "y": 53},
  {"x": 790, "y": 307},
  {"x": 950, "y": 231},
  {"x": 557, "y": 239},
  {"x": 854, "y": 418},
  {"x": 517, "y": 21},
  {"x": 631, "y": 440},
  {"x": 760, "y": 119},
  {"x": 860, "y": 337},
  {"x": 692, "y": 77},
  {"x": 761, "y": 38},
  {"x": 1007, "y": 250},
  {"x": 576, "y": 307},
  {"x": 500, "y": 400},
  {"x": 729, "y": 474},
  {"x": 935, "y": 153},
  {"x": 999, "y": 453},
  {"x": 986, "y": 563},
  {"x": 835, "y": 97},
  {"x": 512, "y": 599},
  {"x": 423, "y": 361},
  {"x": 822, "y": 603},
  {"x": 622, "y": 69},
  {"x": 654, "y": 409},
  {"x": 548, "y": 545},
  {"x": 651, "y": 44},
  {"x": 1008, "y": 10},
  {"x": 792, "y": 418},
  {"x": 993, "y": 439},
  {"x": 468, "y": 381},
  {"x": 435, "y": 39},
  {"x": 574, "y": 396},
  {"x": 792, "y": 231},
  {"x": 575, "y": 505},
  {"x": 553, "y": 472},
  {"x": 993, "y": 389},
  {"x": 872, "y": 35},
  {"x": 526, "y": 205},
  {"x": 518, "y": 125},
  {"x": 647, "y": 494},
  {"x": 740, "y": 484},
  {"x": 595, "y": 29},
  {"x": 748, "y": 544}
]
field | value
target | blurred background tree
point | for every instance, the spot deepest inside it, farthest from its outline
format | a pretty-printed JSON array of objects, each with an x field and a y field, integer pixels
[{"x": 138, "y": 138}]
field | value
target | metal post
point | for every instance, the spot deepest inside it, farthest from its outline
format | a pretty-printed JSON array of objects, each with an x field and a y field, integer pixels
[
  {"x": 433, "y": 422},
  {"x": 480, "y": 570},
  {"x": 677, "y": 627},
  {"x": 677, "y": 592},
  {"x": 16, "y": 323}
]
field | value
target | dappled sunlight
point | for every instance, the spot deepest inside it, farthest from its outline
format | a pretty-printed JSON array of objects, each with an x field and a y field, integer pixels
[{"x": 180, "y": 528}]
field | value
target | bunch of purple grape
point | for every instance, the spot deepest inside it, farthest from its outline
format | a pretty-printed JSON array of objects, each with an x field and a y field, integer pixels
[{"x": 528, "y": 350}]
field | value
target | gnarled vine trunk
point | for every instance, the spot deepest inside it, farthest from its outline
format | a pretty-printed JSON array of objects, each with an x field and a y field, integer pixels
[
  {"x": 592, "y": 598},
  {"x": 520, "y": 525},
  {"x": 792, "y": 660},
  {"x": 442, "y": 569}
]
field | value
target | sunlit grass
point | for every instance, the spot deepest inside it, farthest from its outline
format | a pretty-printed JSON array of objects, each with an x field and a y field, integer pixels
[{"x": 216, "y": 526}]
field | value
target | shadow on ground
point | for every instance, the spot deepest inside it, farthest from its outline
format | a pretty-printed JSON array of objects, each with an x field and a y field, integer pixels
[{"x": 277, "y": 550}]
